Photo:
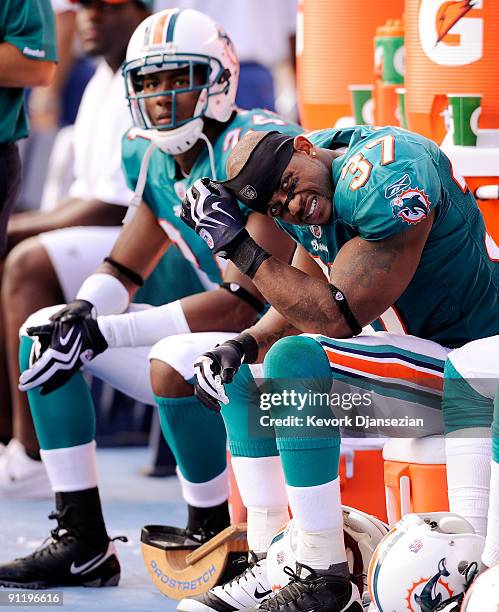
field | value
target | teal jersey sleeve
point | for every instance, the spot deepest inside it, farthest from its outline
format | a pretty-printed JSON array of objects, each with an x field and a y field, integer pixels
[
  {"x": 386, "y": 182},
  {"x": 30, "y": 26}
]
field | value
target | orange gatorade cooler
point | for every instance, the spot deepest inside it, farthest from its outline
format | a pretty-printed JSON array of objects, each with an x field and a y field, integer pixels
[
  {"x": 333, "y": 51},
  {"x": 415, "y": 476},
  {"x": 361, "y": 475},
  {"x": 388, "y": 71},
  {"x": 451, "y": 47}
]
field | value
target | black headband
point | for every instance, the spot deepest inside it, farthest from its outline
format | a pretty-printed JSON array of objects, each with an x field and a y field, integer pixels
[{"x": 261, "y": 174}]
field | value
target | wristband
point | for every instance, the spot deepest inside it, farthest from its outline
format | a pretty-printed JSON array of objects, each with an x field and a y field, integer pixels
[
  {"x": 248, "y": 345},
  {"x": 247, "y": 255},
  {"x": 105, "y": 292}
]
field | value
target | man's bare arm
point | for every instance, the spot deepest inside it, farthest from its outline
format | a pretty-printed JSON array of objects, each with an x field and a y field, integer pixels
[
  {"x": 17, "y": 70},
  {"x": 45, "y": 102},
  {"x": 220, "y": 310},
  {"x": 221, "y": 363},
  {"x": 273, "y": 326},
  {"x": 72, "y": 213},
  {"x": 372, "y": 276},
  {"x": 139, "y": 247}
]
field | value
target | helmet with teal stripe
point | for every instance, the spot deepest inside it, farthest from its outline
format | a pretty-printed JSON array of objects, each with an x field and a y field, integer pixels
[
  {"x": 425, "y": 563},
  {"x": 176, "y": 39}
]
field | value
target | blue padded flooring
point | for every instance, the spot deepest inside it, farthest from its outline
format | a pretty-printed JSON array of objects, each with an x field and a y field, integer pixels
[{"x": 129, "y": 501}]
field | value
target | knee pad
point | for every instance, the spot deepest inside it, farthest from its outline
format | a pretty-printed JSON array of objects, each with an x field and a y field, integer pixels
[
  {"x": 297, "y": 369},
  {"x": 297, "y": 357}
]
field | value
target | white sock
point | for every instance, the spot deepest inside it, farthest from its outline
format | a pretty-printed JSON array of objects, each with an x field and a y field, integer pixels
[
  {"x": 468, "y": 475},
  {"x": 319, "y": 520},
  {"x": 263, "y": 524},
  {"x": 490, "y": 555},
  {"x": 205, "y": 494},
  {"x": 260, "y": 481},
  {"x": 71, "y": 469},
  {"x": 263, "y": 491}
]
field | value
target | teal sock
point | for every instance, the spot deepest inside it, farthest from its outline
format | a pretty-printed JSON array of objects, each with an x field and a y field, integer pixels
[
  {"x": 495, "y": 429},
  {"x": 65, "y": 417},
  {"x": 298, "y": 371},
  {"x": 462, "y": 406},
  {"x": 196, "y": 437},
  {"x": 246, "y": 438}
]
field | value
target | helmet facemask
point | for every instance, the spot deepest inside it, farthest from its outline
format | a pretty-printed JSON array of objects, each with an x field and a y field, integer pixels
[{"x": 205, "y": 75}]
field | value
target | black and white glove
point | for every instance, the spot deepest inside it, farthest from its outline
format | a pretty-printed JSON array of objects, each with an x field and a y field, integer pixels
[
  {"x": 214, "y": 214},
  {"x": 62, "y": 347},
  {"x": 219, "y": 366}
]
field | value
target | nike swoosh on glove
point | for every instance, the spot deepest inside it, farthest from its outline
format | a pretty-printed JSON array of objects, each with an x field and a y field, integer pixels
[
  {"x": 214, "y": 369},
  {"x": 63, "y": 346},
  {"x": 214, "y": 214}
]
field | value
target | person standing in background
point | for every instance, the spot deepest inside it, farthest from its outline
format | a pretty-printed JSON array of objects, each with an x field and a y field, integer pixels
[{"x": 27, "y": 59}]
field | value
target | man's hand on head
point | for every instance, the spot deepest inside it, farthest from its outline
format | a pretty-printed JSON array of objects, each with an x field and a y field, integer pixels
[{"x": 214, "y": 214}]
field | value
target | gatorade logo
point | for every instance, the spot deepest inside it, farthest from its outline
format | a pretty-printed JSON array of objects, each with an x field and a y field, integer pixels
[{"x": 451, "y": 32}]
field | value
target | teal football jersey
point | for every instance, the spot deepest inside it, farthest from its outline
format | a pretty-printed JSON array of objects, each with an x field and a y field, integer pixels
[
  {"x": 165, "y": 189},
  {"x": 386, "y": 181}
]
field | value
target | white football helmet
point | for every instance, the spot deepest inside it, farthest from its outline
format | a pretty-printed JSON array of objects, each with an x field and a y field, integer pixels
[
  {"x": 172, "y": 39},
  {"x": 362, "y": 533},
  {"x": 483, "y": 594},
  {"x": 425, "y": 560}
]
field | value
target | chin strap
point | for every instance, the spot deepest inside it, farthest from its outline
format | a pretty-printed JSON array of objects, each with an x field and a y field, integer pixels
[
  {"x": 144, "y": 168},
  {"x": 211, "y": 153},
  {"x": 141, "y": 183}
]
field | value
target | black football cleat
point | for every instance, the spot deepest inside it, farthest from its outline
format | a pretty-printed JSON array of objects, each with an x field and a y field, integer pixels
[
  {"x": 313, "y": 591},
  {"x": 67, "y": 559}
]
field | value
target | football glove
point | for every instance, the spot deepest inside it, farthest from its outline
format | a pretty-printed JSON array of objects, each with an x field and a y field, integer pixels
[
  {"x": 214, "y": 214},
  {"x": 62, "y": 347},
  {"x": 214, "y": 369},
  {"x": 219, "y": 366}
]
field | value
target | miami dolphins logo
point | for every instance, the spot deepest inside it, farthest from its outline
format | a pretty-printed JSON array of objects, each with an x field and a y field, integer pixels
[
  {"x": 434, "y": 591},
  {"x": 249, "y": 192},
  {"x": 316, "y": 230},
  {"x": 412, "y": 206}
]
